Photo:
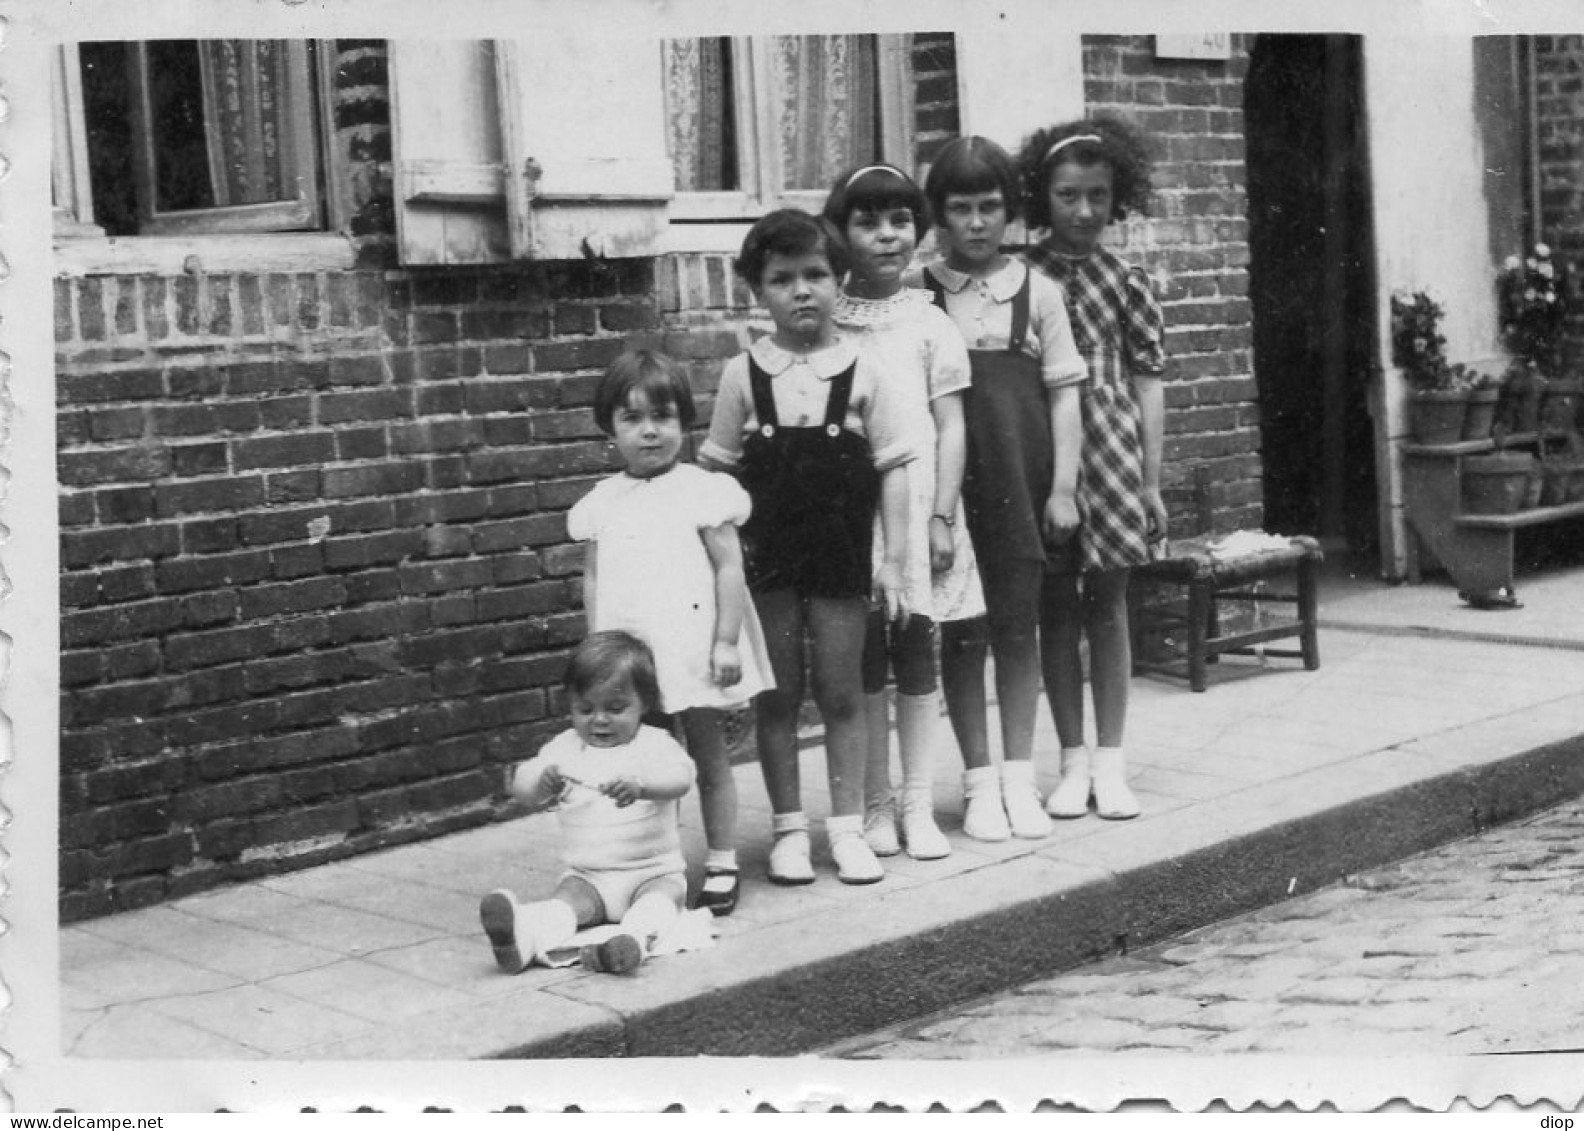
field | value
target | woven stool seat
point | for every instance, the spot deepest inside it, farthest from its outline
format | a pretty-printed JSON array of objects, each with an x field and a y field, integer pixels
[{"x": 1213, "y": 571}]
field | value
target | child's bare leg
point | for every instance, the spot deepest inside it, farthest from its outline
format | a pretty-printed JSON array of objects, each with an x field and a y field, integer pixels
[
  {"x": 836, "y": 632},
  {"x": 964, "y": 647},
  {"x": 717, "y": 787},
  {"x": 1110, "y": 664},
  {"x": 1014, "y": 641},
  {"x": 1061, "y": 629},
  {"x": 781, "y": 616},
  {"x": 1062, "y": 610},
  {"x": 1110, "y": 651},
  {"x": 718, "y": 803},
  {"x": 655, "y": 906}
]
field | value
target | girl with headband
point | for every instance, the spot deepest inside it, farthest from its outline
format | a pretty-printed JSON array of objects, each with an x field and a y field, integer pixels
[
  {"x": 882, "y": 214},
  {"x": 1079, "y": 177}
]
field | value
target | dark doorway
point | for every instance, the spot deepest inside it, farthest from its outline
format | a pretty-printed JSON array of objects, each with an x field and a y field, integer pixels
[{"x": 1311, "y": 286}]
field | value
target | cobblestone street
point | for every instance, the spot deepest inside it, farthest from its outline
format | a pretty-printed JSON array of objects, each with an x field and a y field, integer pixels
[{"x": 1473, "y": 948}]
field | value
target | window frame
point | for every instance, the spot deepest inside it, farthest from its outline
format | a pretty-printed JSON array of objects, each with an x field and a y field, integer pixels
[
  {"x": 82, "y": 247},
  {"x": 758, "y": 156}
]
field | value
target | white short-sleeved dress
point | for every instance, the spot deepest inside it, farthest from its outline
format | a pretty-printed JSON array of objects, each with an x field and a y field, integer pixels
[
  {"x": 654, "y": 577},
  {"x": 922, "y": 354}
]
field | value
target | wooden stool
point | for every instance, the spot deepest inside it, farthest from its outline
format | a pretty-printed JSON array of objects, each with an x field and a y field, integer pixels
[{"x": 1210, "y": 580}]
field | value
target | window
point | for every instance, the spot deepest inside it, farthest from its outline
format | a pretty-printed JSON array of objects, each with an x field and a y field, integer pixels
[
  {"x": 765, "y": 122},
  {"x": 191, "y": 137}
]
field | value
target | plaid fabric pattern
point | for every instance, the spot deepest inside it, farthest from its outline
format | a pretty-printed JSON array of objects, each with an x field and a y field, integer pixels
[{"x": 1118, "y": 326}]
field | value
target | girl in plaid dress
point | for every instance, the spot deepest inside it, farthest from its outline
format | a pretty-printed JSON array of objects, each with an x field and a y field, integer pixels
[{"x": 1080, "y": 176}]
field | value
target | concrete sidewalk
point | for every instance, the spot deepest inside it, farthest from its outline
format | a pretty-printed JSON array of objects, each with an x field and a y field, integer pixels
[{"x": 1426, "y": 721}]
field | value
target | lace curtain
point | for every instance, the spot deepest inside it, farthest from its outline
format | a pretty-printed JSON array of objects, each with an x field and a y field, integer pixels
[
  {"x": 245, "y": 116},
  {"x": 827, "y": 106},
  {"x": 823, "y": 92}
]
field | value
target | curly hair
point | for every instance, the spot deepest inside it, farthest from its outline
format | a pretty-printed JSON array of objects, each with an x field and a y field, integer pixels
[
  {"x": 876, "y": 188},
  {"x": 1103, "y": 139},
  {"x": 789, "y": 232},
  {"x": 970, "y": 165}
]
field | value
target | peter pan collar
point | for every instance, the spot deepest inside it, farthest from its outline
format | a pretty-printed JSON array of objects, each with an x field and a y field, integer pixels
[
  {"x": 824, "y": 364},
  {"x": 1003, "y": 285}
]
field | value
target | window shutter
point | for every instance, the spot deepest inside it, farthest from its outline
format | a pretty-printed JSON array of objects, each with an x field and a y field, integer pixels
[
  {"x": 544, "y": 148},
  {"x": 583, "y": 123},
  {"x": 450, "y": 173}
]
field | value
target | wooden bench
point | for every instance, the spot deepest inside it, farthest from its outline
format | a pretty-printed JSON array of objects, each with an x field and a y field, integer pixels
[
  {"x": 1209, "y": 580},
  {"x": 1475, "y": 549}
]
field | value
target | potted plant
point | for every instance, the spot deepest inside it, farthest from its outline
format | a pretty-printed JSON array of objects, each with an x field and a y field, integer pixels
[
  {"x": 1532, "y": 297},
  {"x": 1438, "y": 392}
]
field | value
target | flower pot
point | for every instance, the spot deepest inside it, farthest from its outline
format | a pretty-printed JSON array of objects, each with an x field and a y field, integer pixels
[
  {"x": 1436, "y": 415},
  {"x": 1559, "y": 409},
  {"x": 1496, "y": 483},
  {"x": 1480, "y": 414}
]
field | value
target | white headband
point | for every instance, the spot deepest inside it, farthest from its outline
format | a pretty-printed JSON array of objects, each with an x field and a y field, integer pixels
[
  {"x": 892, "y": 169},
  {"x": 1073, "y": 140}
]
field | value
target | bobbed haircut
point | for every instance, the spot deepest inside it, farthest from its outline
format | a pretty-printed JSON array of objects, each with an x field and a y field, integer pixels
[
  {"x": 971, "y": 165},
  {"x": 659, "y": 377},
  {"x": 604, "y": 656},
  {"x": 1101, "y": 140},
  {"x": 876, "y": 188},
  {"x": 789, "y": 232}
]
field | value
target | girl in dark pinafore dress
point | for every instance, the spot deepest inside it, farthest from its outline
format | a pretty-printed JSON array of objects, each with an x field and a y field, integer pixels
[
  {"x": 1022, "y": 469},
  {"x": 1080, "y": 176}
]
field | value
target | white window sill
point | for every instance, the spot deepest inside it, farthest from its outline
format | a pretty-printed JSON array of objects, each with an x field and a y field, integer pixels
[{"x": 285, "y": 252}]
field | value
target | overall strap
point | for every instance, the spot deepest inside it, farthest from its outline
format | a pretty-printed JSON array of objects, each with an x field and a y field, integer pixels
[
  {"x": 763, "y": 397},
  {"x": 840, "y": 396},
  {"x": 1020, "y": 314}
]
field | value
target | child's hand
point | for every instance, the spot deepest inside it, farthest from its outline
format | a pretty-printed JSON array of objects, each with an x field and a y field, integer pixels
[
  {"x": 725, "y": 664},
  {"x": 623, "y": 791},
  {"x": 1154, "y": 514},
  {"x": 1061, "y": 517},
  {"x": 888, "y": 591},
  {"x": 551, "y": 781},
  {"x": 942, "y": 552}
]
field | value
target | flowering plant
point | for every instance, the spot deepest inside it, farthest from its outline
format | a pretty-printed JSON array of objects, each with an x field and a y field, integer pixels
[
  {"x": 1418, "y": 346},
  {"x": 1532, "y": 298}
]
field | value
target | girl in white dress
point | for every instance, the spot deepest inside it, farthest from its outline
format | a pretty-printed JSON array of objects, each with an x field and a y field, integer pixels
[
  {"x": 665, "y": 564},
  {"x": 882, "y": 213}
]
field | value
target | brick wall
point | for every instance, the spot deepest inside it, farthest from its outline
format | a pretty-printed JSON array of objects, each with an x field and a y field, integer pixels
[
  {"x": 1194, "y": 242},
  {"x": 315, "y": 585},
  {"x": 1559, "y": 130}
]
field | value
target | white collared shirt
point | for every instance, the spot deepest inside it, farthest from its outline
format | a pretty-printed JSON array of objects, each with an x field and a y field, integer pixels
[
  {"x": 800, "y": 384},
  {"x": 982, "y": 311}
]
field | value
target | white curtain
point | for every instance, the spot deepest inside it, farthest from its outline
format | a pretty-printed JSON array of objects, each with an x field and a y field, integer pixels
[{"x": 822, "y": 91}]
